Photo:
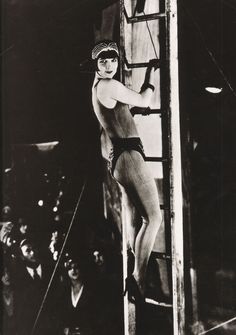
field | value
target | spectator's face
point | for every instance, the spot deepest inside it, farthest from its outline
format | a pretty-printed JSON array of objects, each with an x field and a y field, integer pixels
[
  {"x": 73, "y": 271},
  {"x": 6, "y": 278},
  {"x": 6, "y": 213},
  {"x": 98, "y": 258},
  {"x": 29, "y": 253},
  {"x": 23, "y": 228}
]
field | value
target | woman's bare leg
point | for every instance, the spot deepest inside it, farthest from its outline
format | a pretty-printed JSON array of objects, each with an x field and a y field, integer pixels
[
  {"x": 132, "y": 173},
  {"x": 133, "y": 222}
]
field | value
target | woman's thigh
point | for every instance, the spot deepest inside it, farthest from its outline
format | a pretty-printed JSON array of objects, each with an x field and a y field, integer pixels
[{"x": 132, "y": 173}]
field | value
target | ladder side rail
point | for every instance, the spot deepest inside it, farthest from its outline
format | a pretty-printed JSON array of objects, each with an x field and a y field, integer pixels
[
  {"x": 124, "y": 249},
  {"x": 122, "y": 42},
  {"x": 175, "y": 173},
  {"x": 165, "y": 129},
  {"x": 129, "y": 309}
]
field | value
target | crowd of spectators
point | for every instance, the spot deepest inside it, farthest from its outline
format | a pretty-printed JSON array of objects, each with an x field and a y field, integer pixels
[{"x": 45, "y": 292}]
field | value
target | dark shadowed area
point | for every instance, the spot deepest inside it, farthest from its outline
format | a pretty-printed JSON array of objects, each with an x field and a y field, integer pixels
[{"x": 46, "y": 96}]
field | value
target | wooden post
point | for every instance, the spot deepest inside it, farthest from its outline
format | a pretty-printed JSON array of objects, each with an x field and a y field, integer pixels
[{"x": 175, "y": 173}]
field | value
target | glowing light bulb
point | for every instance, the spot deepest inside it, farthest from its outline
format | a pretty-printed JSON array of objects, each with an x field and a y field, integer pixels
[
  {"x": 40, "y": 203},
  {"x": 214, "y": 90}
]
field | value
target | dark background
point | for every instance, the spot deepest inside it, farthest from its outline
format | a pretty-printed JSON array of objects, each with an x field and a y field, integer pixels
[{"x": 45, "y": 96}]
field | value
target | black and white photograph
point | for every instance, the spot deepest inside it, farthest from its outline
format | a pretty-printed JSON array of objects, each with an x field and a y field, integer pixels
[{"x": 118, "y": 167}]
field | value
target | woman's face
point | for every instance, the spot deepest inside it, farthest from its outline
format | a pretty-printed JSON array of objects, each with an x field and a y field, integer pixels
[
  {"x": 73, "y": 271},
  {"x": 107, "y": 67}
]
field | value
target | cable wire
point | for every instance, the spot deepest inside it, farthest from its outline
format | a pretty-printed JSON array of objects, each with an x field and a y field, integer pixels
[
  {"x": 218, "y": 326},
  {"x": 150, "y": 34},
  {"x": 59, "y": 257}
]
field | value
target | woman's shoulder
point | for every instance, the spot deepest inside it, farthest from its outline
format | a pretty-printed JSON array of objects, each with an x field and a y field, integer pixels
[
  {"x": 106, "y": 82},
  {"x": 107, "y": 88}
]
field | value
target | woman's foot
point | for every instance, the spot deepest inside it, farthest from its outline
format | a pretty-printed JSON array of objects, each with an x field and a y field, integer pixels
[{"x": 135, "y": 295}]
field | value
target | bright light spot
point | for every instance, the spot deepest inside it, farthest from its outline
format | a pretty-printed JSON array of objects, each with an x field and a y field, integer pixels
[
  {"x": 55, "y": 209},
  {"x": 214, "y": 90},
  {"x": 195, "y": 144},
  {"x": 40, "y": 203},
  {"x": 46, "y": 146}
]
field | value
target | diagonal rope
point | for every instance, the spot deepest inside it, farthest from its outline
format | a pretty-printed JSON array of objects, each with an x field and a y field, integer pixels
[
  {"x": 59, "y": 257},
  {"x": 218, "y": 326},
  {"x": 150, "y": 35},
  {"x": 220, "y": 70}
]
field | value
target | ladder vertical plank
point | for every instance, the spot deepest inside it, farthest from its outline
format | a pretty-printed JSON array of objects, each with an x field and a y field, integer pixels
[
  {"x": 164, "y": 105},
  {"x": 125, "y": 74},
  {"x": 176, "y": 174}
]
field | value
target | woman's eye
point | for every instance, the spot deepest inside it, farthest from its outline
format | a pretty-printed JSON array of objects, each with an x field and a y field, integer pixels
[{"x": 114, "y": 60}]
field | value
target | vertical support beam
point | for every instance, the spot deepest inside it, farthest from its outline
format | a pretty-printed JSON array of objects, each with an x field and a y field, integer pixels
[
  {"x": 129, "y": 309},
  {"x": 164, "y": 99},
  {"x": 122, "y": 41},
  {"x": 123, "y": 207},
  {"x": 125, "y": 261},
  {"x": 175, "y": 173}
]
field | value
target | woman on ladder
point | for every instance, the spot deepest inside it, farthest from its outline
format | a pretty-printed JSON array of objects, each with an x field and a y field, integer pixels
[{"x": 110, "y": 100}]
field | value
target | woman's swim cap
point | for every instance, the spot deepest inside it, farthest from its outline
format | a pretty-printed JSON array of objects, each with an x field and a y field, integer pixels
[{"x": 105, "y": 49}]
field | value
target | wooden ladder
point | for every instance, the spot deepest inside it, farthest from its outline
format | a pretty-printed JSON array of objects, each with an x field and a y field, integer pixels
[{"x": 133, "y": 47}]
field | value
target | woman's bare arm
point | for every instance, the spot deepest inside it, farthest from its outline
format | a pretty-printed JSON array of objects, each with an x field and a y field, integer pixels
[{"x": 111, "y": 90}]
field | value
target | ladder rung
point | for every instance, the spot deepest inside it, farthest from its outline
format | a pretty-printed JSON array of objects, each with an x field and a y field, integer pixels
[
  {"x": 165, "y": 208},
  {"x": 161, "y": 255},
  {"x": 157, "y": 303},
  {"x": 140, "y": 18},
  {"x": 138, "y": 65},
  {"x": 156, "y": 159},
  {"x": 144, "y": 111}
]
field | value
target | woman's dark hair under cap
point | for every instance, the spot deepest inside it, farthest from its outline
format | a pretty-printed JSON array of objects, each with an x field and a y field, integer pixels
[
  {"x": 108, "y": 54},
  {"x": 104, "y": 55}
]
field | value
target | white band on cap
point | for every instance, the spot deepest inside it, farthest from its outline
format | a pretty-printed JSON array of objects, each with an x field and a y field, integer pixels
[{"x": 103, "y": 46}]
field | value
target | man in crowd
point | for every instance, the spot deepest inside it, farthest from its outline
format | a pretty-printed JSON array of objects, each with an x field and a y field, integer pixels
[{"x": 31, "y": 276}]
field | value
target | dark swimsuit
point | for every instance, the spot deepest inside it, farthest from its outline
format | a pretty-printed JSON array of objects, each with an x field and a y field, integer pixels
[{"x": 124, "y": 144}]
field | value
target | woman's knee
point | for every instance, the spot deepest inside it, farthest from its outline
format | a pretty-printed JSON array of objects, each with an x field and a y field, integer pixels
[{"x": 154, "y": 219}]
